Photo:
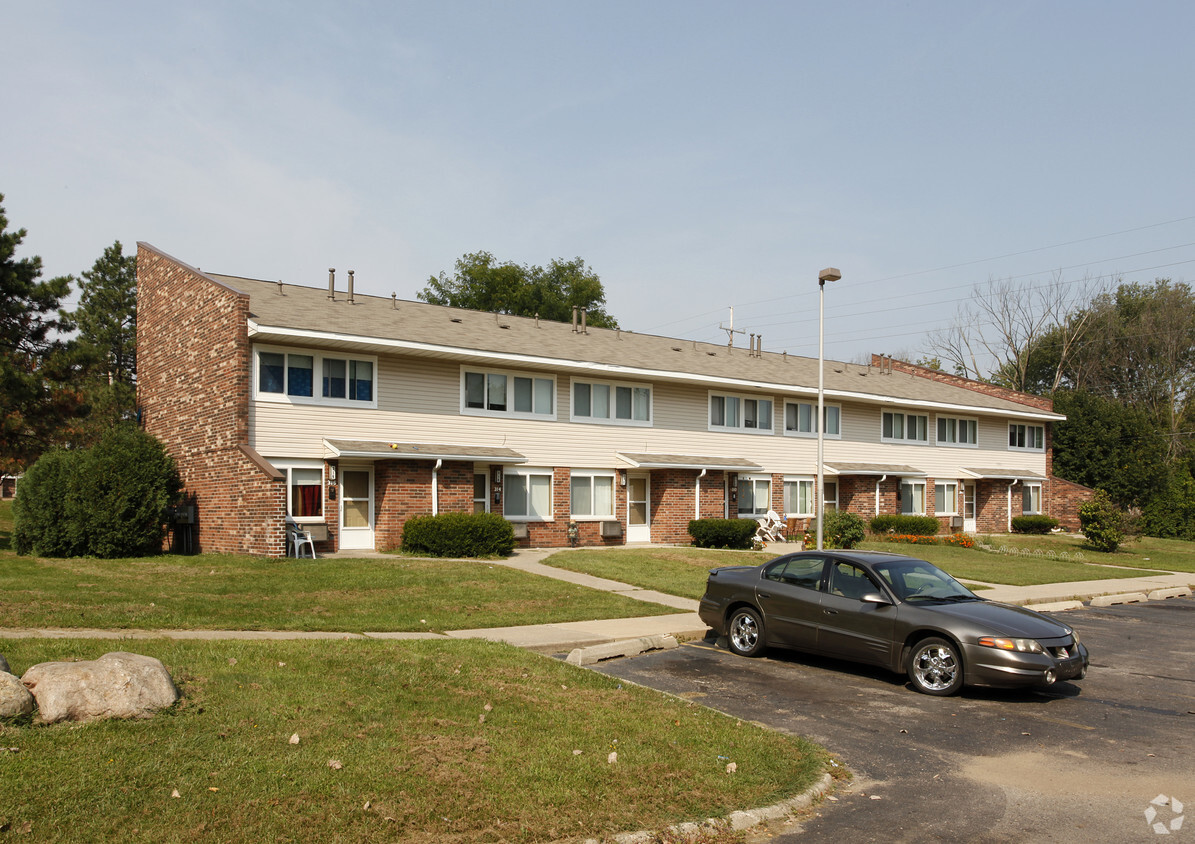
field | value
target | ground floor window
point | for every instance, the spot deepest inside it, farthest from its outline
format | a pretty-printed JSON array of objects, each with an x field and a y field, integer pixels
[
  {"x": 945, "y": 498},
  {"x": 755, "y": 495},
  {"x": 592, "y": 495},
  {"x": 1031, "y": 499},
  {"x": 528, "y": 494},
  {"x": 798, "y": 497},
  {"x": 912, "y": 498},
  {"x": 481, "y": 486},
  {"x": 830, "y": 490}
]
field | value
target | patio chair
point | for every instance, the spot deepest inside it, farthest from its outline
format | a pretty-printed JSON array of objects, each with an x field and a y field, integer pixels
[
  {"x": 766, "y": 533},
  {"x": 777, "y": 526},
  {"x": 296, "y": 538}
]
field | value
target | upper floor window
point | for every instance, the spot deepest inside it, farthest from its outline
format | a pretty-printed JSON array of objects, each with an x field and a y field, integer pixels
[
  {"x": 291, "y": 377},
  {"x": 507, "y": 393},
  {"x": 613, "y": 404},
  {"x": 740, "y": 413},
  {"x": 904, "y": 427},
  {"x": 953, "y": 431},
  {"x": 800, "y": 419},
  {"x": 1026, "y": 437}
]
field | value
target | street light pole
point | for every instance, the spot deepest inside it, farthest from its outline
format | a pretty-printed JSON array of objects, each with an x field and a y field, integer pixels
[{"x": 828, "y": 274}]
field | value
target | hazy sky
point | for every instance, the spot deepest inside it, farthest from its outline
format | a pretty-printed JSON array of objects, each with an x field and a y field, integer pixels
[{"x": 697, "y": 155}]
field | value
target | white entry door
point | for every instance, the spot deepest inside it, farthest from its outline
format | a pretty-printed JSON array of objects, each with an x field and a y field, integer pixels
[
  {"x": 638, "y": 508},
  {"x": 356, "y": 508},
  {"x": 968, "y": 508}
]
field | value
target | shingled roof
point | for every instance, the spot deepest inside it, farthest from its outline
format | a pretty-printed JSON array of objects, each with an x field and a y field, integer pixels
[{"x": 287, "y": 313}]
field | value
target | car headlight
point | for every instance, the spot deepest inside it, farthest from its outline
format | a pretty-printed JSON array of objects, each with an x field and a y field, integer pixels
[
  {"x": 1075, "y": 633},
  {"x": 1025, "y": 646}
]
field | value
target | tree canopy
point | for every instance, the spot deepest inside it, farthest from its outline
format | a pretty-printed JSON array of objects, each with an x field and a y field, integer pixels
[
  {"x": 481, "y": 283},
  {"x": 37, "y": 365}
]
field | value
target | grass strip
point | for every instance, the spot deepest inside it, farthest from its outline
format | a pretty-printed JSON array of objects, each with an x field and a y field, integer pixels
[{"x": 454, "y": 742}]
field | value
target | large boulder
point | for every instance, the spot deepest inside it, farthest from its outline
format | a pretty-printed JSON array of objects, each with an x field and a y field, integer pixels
[
  {"x": 14, "y": 697},
  {"x": 117, "y": 685}
]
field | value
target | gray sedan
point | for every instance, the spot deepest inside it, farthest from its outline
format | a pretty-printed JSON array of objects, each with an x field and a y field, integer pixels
[{"x": 898, "y": 612}]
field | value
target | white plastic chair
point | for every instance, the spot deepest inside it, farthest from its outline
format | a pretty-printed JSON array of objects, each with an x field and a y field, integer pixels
[
  {"x": 767, "y": 533},
  {"x": 296, "y": 538}
]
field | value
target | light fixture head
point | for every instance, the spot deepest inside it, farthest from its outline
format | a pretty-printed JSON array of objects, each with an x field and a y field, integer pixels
[{"x": 829, "y": 274}]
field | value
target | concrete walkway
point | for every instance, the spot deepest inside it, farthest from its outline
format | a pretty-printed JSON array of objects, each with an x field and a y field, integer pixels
[{"x": 682, "y": 625}]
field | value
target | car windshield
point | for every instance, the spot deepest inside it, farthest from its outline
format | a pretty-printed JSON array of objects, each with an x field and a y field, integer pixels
[{"x": 917, "y": 580}]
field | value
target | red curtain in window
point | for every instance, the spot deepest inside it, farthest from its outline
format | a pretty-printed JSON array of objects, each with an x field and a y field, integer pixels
[{"x": 307, "y": 500}]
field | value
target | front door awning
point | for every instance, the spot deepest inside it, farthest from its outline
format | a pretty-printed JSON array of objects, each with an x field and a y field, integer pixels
[
  {"x": 875, "y": 469},
  {"x": 378, "y": 450},
  {"x": 685, "y": 461},
  {"x": 1003, "y": 475}
]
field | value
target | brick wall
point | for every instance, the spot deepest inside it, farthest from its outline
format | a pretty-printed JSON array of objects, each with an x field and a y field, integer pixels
[
  {"x": 193, "y": 376},
  {"x": 1065, "y": 500}
]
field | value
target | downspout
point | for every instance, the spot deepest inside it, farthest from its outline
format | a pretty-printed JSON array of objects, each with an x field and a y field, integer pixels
[
  {"x": 1010, "y": 486},
  {"x": 883, "y": 478},
  {"x": 697, "y": 504},
  {"x": 436, "y": 487}
]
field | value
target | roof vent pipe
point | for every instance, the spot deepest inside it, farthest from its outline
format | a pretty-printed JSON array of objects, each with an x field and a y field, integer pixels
[
  {"x": 759, "y": 345},
  {"x": 331, "y": 282},
  {"x": 394, "y": 301},
  {"x": 574, "y": 319},
  {"x": 350, "y": 287},
  {"x": 584, "y": 318}
]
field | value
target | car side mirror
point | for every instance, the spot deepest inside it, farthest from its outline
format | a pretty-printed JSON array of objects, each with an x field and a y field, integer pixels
[{"x": 875, "y": 598}]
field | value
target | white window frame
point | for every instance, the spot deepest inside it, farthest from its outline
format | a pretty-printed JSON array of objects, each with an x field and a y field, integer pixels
[
  {"x": 830, "y": 410},
  {"x": 740, "y": 426},
  {"x": 915, "y": 483},
  {"x": 520, "y": 474},
  {"x": 1034, "y": 490},
  {"x": 904, "y": 426},
  {"x": 317, "y": 368},
  {"x": 287, "y": 468},
  {"x": 831, "y": 503},
  {"x": 799, "y": 481},
  {"x": 613, "y": 387},
  {"x": 509, "y": 375},
  {"x": 592, "y": 476},
  {"x": 954, "y": 425},
  {"x": 753, "y": 480},
  {"x": 951, "y": 498},
  {"x": 1024, "y": 433}
]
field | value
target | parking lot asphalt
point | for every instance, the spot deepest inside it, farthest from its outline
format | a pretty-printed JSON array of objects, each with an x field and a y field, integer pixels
[{"x": 1078, "y": 761}]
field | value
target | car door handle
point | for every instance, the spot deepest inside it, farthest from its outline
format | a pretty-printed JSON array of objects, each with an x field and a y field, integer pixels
[
  {"x": 765, "y": 595},
  {"x": 830, "y": 612}
]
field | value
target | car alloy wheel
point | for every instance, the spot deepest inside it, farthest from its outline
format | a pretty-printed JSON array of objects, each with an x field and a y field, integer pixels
[
  {"x": 935, "y": 667},
  {"x": 745, "y": 632}
]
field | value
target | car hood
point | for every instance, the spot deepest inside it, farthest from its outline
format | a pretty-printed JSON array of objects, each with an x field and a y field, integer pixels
[{"x": 1005, "y": 619}]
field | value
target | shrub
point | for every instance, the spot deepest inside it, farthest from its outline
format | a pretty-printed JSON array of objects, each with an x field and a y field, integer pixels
[
  {"x": 107, "y": 501},
  {"x": 842, "y": 529},
  {"x": 1102, "y": 522},
  {"x": 458, "y": 535},
  {"x": 40, "y": 522},
  {"x": 1036, "y": 523},
  {"x": 723, "y": 533},
  {"x": 905, "y": 524},
  {"x": 1171, "y": 513}
]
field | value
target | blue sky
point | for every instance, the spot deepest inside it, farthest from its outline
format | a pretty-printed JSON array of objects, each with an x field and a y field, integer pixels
[{"x": 697, "y": 155}]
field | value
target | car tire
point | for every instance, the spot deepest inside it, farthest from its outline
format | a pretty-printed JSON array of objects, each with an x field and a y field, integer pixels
[
  {"x": 744, "y": 633},
  {"x": 935, "y": 667}
]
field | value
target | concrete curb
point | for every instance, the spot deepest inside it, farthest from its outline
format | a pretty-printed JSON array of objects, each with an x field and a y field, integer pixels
[
  {"x": 1055, "y": 606},
  {"x": 1163, "y": 594},
  {"x": 626, "y": 647},
  {"x": 1125, "y": 598},
  {"x": 735, "y": 821}
]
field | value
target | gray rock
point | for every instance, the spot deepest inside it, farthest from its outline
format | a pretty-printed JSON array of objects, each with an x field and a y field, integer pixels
[
  {"x": 14, "y": 697},
  {"x": 4, "y": 665},
  {"x": 117, "y": 685}
]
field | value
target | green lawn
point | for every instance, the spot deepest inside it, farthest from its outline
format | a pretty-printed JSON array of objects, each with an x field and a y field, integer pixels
[
  {"x": 456, "y": 742},
  {"x": 683, "y": 571}
]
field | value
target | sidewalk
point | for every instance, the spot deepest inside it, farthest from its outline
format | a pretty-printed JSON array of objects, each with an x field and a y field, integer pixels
[{"x": 565, "y": 636}]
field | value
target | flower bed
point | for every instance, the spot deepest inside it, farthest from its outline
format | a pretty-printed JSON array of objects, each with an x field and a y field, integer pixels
[{"x": 958, "y": 540}]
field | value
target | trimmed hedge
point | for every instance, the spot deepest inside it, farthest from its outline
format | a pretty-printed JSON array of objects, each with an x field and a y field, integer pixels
[
  {"x": 108, "y": 501},
  {"x": 723, "y": 533},
  {"x": 905, "y": 524},
  {"x": 1036, "y": 523},
  {"x": 458, "y": 535}
]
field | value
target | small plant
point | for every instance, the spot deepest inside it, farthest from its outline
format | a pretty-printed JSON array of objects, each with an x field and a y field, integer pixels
[
  {"x": 842, "y": 529},
  {"x": 1036, "y": 523},
  {"x": 1102, "y": 522},
  {"x": 723, "y": 533},
  {"x": 458, "y": 535}
]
